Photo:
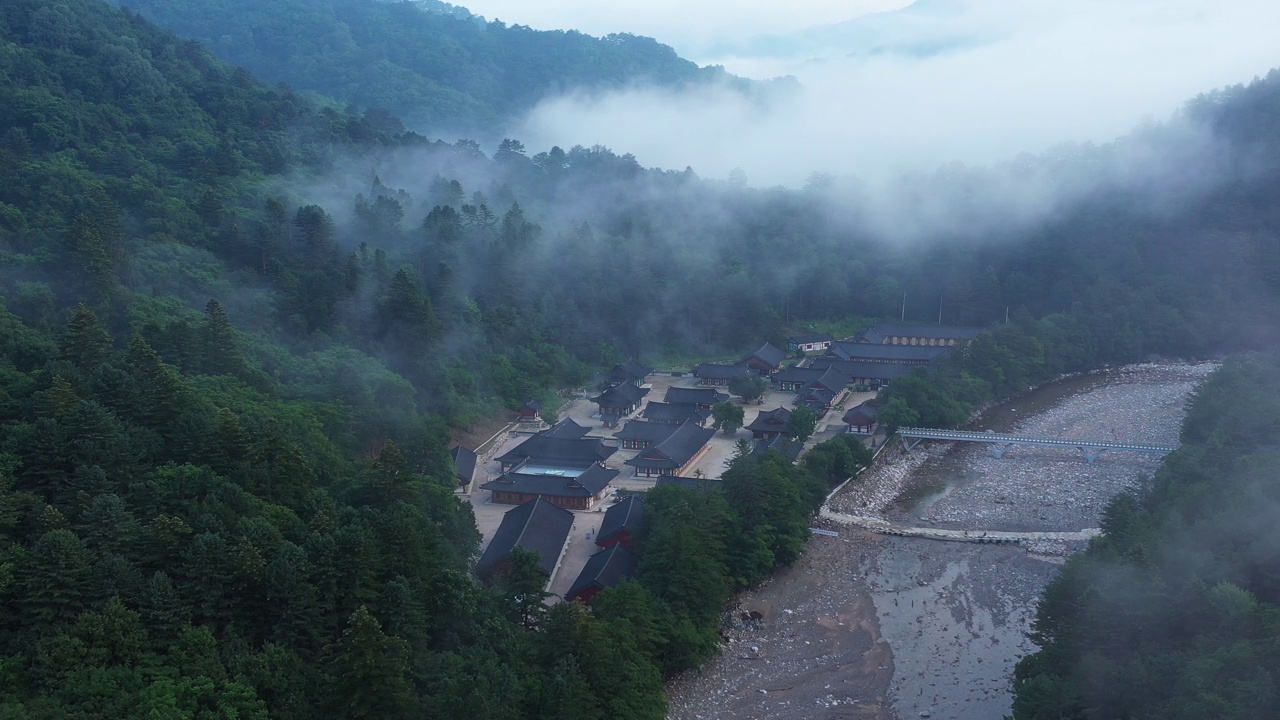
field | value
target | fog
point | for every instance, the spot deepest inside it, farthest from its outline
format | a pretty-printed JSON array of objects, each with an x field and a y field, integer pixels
[
  {"x": 692, "y": 27},
  {"x": 949, "y": 81}
]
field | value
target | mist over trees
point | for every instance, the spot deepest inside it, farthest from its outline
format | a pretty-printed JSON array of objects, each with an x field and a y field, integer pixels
[
  {"x": 1175, "y": 610},
  {"x": 238, "y": 324},
  {"x": 439, "y": 71}
]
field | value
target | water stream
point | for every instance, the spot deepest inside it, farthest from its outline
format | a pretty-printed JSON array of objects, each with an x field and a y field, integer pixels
[{"x": 956, "y": 615}]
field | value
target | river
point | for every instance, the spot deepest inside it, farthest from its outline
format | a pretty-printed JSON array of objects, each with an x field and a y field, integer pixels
[{"x": 941, "y": 624}]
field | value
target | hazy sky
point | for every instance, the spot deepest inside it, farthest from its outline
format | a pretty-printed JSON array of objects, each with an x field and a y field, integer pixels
[
  {"x": 687, "y": 25},
  {"x": 1002, "y": 77}
]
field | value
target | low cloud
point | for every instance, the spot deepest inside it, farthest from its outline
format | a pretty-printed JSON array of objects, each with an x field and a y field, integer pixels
[{"x": 988, "y": 81}]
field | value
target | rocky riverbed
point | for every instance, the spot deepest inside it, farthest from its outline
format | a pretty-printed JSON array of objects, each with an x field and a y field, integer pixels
[{"x": 875, "y": 627}]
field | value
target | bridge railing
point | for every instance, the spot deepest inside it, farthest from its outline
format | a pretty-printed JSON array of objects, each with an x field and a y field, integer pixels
[{"x": 1002, "y": 442}]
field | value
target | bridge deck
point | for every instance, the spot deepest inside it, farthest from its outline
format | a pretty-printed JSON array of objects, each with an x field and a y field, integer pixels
[{"x": 1008, "y": 439}]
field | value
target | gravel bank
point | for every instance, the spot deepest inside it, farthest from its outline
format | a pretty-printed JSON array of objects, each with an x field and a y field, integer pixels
[
  {"x": 1044, "y": 488},
  {"x": 877, "y": 627}
]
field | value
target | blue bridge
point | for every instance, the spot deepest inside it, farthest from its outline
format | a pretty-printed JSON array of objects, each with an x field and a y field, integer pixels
[{"x": 1001, "y": 443}]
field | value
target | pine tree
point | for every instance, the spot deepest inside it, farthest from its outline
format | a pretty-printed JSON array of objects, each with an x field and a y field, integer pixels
[
  {"x": 58, "y": 401},
  {"x": 219, "y": 348},
  {"x": 315, "y": 230},
  {"x": 391, "y": 480},
  {"x": 86, "y": 343},
  {"x": 280, "y": 469},
  {"x": 406, "y": 315},
  {"x": 230, "y": 447},
  {"x": 95, "y": 241},
  {"x": 163, "y": 610},
  {"x": 523, "y": 587},
  {"x": 55, "y": 579},
  {"x": 158, "y": 386},
  {"x": 370, "y": 673},
  {"x": 568, "y": 694},
  {"x": 210, "y": 208}
]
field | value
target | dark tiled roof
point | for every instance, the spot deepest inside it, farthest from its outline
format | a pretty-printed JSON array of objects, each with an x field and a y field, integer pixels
[
  {"x": 624, "y": 395},
  {"x": 629, "y": 371},
  {"x": 695, "y": 396},
  {"x": 811, "y": 338},
  {"x": 650, "y": 431},
  {"x": 854, "y": 369},
  {"x": 532, "y": 405},
  {"x": 536, "y": 525},
  {"x": 688, "y": 482},
  {"x": 832, "y": 379},
  {"x": 589, "y": 483},
  {"x": 667, "y": 412},
  {"x": 771, "y": 355},
  {"x": 604, "y": 570},
  {"x": 770, "y": 421},
  {"x": 579, "y": 452},
  {"x": 817, "y": 399},
  {"x": 625, "y": 516},
  {"x": 865, "y": 410},
  {"x": 566, "y": 429},
  {"x": 803, "y": 375},
  {"x": 675, "y": 451},
  {"x": 714, "y": 371},
  {"x": 789, "y": 448},
  {"x": 880, "y": 331},
  {"x": 465, "y": 461},
  {"x": 887, "y": 353}
]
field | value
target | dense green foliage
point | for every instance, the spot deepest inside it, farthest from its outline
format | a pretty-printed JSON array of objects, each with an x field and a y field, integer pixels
[
  {"x": 699, "y": 547},
  {"x": 439, "y": 72},
  {"x": 727, "y": 416},
  {"x": 801, "y": 424},
  {"x": 185, "y": 545},
  {"x": 750, "y": 387},
  {"x": 1175, "y": 611}
]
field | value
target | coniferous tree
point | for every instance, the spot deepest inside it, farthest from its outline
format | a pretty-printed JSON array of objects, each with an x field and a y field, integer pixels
[
  {"x": 568, "y": 695},
  {"x": 230, "y": 447},
  {"x": 370, "y": 673},
  {"x": 523, "y": 587},
  {"x": 55, "y": 579},
  {"x": 159, "y": 389},
  {"x": 95, "y": 240},
  {"x": 85, "y": 343},
  {"x": 220, "y": 351},
  {"x": 58, "y": 401}
]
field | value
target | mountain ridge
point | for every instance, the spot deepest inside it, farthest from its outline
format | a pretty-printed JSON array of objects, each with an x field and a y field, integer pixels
[{"x": 441, "y": 71}]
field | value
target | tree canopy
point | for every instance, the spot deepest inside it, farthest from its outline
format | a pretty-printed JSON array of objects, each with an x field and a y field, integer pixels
[{"x": 1175, "y": 610}]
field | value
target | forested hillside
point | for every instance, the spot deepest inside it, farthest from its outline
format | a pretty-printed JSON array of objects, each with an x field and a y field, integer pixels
[
  {"x": 1175, "y": 611},
  {"x": 439, "y": 72}
]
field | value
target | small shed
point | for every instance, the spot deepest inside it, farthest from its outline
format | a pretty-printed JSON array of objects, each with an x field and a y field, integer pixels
[
  {"x": 861, "y": 420},
  {"x": 530, "y": 411}
]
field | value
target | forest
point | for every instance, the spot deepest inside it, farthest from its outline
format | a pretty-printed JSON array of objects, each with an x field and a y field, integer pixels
[
  {"x": 238, "y": 325},
  {"x": 1175, "y": 611},
  {"x": 436, "y": 68}
]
